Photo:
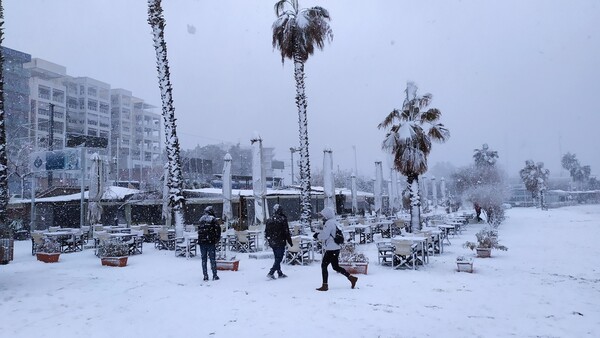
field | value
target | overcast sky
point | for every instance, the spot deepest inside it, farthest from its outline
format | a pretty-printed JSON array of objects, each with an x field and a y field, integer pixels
[{"x": 522, "y": 76}]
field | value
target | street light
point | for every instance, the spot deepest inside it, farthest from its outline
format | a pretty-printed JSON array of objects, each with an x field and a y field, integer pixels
[
  {"x": 116, "y": 162},
  {"x": 292, "y": 151}
]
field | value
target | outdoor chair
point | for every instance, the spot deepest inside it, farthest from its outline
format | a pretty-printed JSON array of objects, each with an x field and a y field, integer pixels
[
  {"x": 245, "y": 243},
  {"x": 136, "y": 242},
  {"x": 231, "y": 241},
  {"x": 165, "y": 241},
  {"x": 405, "y": 255},
  {"x": 99, "y": 238},
  {"x": 293, "y": 254},
  {"x": 181, "y": 246},
  {"x": 73, "y": 243},
  {"x": 365, "y": 235},
  {"x": 37, "y": 239},
  {"x": 385, "y": 253}
]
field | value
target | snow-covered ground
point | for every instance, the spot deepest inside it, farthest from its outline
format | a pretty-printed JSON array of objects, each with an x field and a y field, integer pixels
[{"x": 546, "y": 285}]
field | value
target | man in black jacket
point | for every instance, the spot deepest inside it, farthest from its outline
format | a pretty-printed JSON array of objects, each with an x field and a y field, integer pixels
[
  {"x": 209, "y": 234},
  {"x": 277, "y": 233}
]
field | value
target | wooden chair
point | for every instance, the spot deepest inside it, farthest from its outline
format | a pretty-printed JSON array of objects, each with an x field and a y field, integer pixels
[
  {"x": 385, "y": 253},
  {"x": 293, "y": 254},
  {"x": 165, "y": 241},
  {"x": 405, "y": 255},
  {"x": 37, "y": 239}
]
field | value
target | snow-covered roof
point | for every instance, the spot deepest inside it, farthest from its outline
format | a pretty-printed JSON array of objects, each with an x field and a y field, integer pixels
[{"x": 110, "y": 193}]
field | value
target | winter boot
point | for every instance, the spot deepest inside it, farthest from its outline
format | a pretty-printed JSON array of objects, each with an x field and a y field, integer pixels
[
  {"x": 281, "y": 274},
  {"x": 215, "y": 277},
  {"x": 352, "y": 280},
  {"x": 270, "y": 275},
  {"x": 323, "y": 287},
  {"x": 205, "y": 278}
]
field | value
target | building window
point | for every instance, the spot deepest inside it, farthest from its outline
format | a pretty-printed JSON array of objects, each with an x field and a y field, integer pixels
[
  {"x": 103, "y": 133},
  {"x": 92, "y": 91},
  {"x": 104, "y": 107},
  {"x": 81, "y": 90},
  {"x": 58, "y": 95},
  {"x": 92, "y": 105},
  {"x": 43, "y": 125},
  {"x": 44, "y": 92},
  {"x": 82, "y": 103},
  {"x": 71, "y": 102},
  {"x": 103, "y": 93},
  {"x": 92, "y": 132}
]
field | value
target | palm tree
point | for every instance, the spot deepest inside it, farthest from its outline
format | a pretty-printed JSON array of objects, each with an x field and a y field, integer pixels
[
  {"x": 296, "y": 33},
  {"x": 3, "y": 158},
  {"x": 175, "y": 178},
  {"x": 535, "y": 178},
  {"x": 408, "y": 138},
  {"x": 485, "y": 157}
]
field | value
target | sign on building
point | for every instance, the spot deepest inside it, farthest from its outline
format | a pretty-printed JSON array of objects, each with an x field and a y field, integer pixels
[{"x": 67, "y": 159}]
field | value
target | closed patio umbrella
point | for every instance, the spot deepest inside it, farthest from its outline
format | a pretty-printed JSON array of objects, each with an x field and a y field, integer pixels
[
  {"x": 328, "y": 182},
  {"x": 259, "y": 184},
  {"x": 96, "y": 189},
  {"x": 353, "y": 192},
  {"x": 227, "y": 212},
  {"x": 378, "y": 185}
]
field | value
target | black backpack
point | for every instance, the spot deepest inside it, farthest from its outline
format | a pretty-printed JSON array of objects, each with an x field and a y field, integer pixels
[{"x": 339, "y": 236}]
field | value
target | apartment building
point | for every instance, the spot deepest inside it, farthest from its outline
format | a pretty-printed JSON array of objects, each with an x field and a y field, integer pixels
[{"x": 39, "y": 90}]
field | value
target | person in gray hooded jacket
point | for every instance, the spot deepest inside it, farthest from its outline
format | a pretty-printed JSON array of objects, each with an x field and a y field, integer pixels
[{"x": 332, "y": 249}]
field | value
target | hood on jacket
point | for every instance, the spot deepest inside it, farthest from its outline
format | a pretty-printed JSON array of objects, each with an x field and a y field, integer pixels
[{"x": 328, "y": 213}]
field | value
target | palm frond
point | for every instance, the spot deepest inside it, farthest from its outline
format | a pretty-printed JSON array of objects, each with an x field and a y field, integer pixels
[
  {"x": 389, "y": 119},
  {"x": 431, "y": 115},
  {"x": 439, "y": 133}
]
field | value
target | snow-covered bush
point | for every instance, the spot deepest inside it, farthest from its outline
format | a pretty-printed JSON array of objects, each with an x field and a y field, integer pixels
[{"x": 486, "y": 239}]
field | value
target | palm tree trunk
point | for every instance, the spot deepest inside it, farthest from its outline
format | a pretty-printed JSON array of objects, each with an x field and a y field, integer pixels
[
  {"x": 415, "y": 204},
  {"x": 175, "y": 179},
  {"x": 3, "y": 157},
  {"x": 301, "y": 103}
]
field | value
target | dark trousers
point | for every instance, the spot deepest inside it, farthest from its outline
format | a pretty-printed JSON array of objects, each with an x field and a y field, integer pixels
[
  {"x": 331, "y": 257},
  {"x": 208, "y": 251},
  {"x": 278, "y": 252}
]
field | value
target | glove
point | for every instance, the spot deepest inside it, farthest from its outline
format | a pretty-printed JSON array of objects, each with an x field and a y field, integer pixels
[{"x": 315, "y": 235}]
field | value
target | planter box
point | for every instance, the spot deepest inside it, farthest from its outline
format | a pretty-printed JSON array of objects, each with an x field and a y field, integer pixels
[
  {"x": 484, "y": 252},
  {"x": 465, "y": 266},
  {"x": 355, "y": 267},
  {"x": 114, "y": 261},
  {"x": 47, "y": 257},
  {"x": 228, "y": 265}
]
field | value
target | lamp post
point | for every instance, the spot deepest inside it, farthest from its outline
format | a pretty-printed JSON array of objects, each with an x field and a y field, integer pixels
[
  {"x": 116, "y": 162},
  {"x": 292, "y": 151},
  {"x": 51, "y": 141}
]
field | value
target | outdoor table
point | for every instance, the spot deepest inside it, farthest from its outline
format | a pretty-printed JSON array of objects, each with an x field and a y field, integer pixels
[
  {"x": 446, "y": 231},
  {"x": 420, "y": 241},
  {"x": 63, "y": 236},
  {"x": 457, "y": 226},
  {"x": 387, "y": 224},
  {"x": 436, "y": 232},
  {"x": 363, "y": 230}
]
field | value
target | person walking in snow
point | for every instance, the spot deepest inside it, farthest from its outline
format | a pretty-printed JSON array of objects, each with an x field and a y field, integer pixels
[
  {"x": 277, "y": 232},
  {"x": 209, "y": 234},
  {"x": 332, "y": 249}
]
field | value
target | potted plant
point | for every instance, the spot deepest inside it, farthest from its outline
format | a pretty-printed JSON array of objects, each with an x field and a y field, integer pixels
[
  {"x": 113, "y": 252},
  {"x": 48, "y": 251},
  {"x": 487, "y": 239},
  {"x": 464, "y": 263},
  {"x": 352, "y": 261}
]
